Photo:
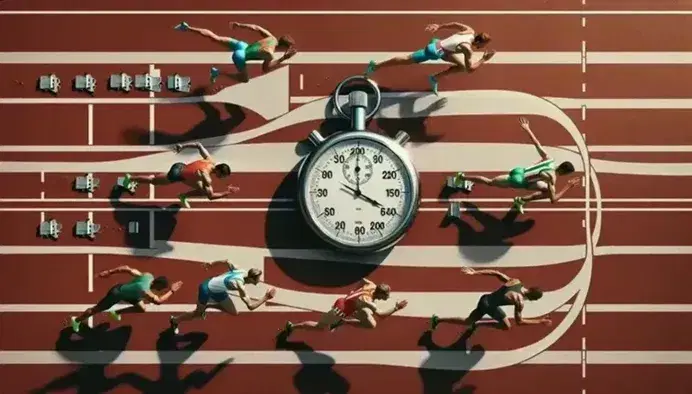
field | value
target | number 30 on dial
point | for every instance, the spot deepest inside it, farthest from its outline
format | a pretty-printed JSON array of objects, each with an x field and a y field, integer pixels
[{"x": 359, "y": 191}]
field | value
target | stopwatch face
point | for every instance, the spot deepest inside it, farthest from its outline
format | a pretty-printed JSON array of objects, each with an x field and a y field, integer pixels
[{"x": 359, "y": 193}]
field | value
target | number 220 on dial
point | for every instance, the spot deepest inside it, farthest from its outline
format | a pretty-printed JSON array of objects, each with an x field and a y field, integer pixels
[{"x": 359, "y": 192}]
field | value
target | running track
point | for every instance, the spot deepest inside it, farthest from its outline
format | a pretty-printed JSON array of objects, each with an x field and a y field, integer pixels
[{"x": 611, "y": 255}]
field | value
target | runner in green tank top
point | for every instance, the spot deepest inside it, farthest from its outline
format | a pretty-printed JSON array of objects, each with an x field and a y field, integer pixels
[
  {"x": 512, "y": 292},
  {"x": 242, "y": 51},
  {"x": 137, "y": 292},
  {"x": 541, "y": 176}
]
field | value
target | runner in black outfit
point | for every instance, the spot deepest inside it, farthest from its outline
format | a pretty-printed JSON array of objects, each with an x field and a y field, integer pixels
[{"x": 512, "y": 292}]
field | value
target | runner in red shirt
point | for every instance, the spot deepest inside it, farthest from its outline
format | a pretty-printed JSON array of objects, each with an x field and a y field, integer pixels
[
  {"x": 357, "y": 308},
  {"x": 197, "y": 175}
]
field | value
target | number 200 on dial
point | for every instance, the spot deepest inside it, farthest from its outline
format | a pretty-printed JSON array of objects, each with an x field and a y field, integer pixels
[{"x": 360, "y": 193}]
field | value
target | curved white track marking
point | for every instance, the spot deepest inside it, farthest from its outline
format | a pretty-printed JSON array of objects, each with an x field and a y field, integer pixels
[
  {"x": 655, "y": 169},
  {"x": 401, "y": 256},
  {"x": 399, "y": 358}
]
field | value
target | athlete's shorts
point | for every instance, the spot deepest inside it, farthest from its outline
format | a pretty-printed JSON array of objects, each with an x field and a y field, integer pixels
[
  {"x": 239, "y": 56},
  {"x": 112, "y": 298},
  {"x": 175, "y": 174},
  {"x": 484, "y": 308},
  {"x": 204, "y": 294},
  {"x": 430, "y": 52},
  {"x": 517, "y": 179}
]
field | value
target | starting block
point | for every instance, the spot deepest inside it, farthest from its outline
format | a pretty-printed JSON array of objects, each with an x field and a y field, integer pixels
[
  {"x": 49, "y": 83},
  {"x": 86, "y": 83},
  {"x": 50, "y": 229},
  {"x": 86, "y": 183},
  {"x": 120, "y": 82},
  {"x": 87, "y": 229},
  {"x": 179, "y": 83},
  {"x": 132, "y": 187},
  {"x": 454, "y": 210},
  {"x": 466, "y": 186},
  {"x": 148, "y": 83}
]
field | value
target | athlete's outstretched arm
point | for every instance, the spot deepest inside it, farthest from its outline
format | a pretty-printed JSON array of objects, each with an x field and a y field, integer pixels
[
  {"x": 261, "y": 30},
  {"x": 550, "y": 193},
  {"x": 499, "y": 275},
  {"x": 119, "y": 270},
  {"x": 451, "y": 25},
  {"x": 371, "y": 305},
  {"x": 210, "y": 264},
  {"x": 202, "y": 150},
  {"x": 525, "y": 125},
  {"x": 254, "y": 304}
]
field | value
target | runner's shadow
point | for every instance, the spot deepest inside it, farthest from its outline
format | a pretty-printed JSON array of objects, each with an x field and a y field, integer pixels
[
  {"x": 103, "y": 347},
  {"x": 173, "y": 351},
  {"x": 491, "y": 243},
  {"x": 435, "y": 379},
  {"x": 213, "y": 125},
  {"x": 317, "y": 375},
  {"x": 302, "y": 255},
  {"x": 165, "y": 222}
]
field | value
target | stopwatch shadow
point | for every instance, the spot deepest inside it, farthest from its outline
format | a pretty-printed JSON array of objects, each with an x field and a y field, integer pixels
[
  {"x": 491, "y": 243},
  {"x": 315, "y": 378},
  {"x": 437, "y": 381},
  {"x": 212, "y": 125},
  {"x": 173, "y": 350},
  {"x": 287, "y": 230},
  {"x": 103, "y": 346},
  {"x": 165, "y": 222}
]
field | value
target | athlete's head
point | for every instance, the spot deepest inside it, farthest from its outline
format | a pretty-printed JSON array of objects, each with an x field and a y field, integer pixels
[
  {"x": 222, "y": 170},
  {"x": 565, "y": 168},
  {"x": 381, "y": 292},
  {"x": 160, "y": 283},
  {"x": 481, "y": 39},
  {"x": 253, "y": 276},
  {"x": 285, "y": 42},
  {"x": 534, "y": 293}
]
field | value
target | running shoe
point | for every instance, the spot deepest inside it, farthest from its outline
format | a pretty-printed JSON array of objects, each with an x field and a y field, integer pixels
[
  {"x": 213, "y": 74},
  {"x": 371, "y": 68},
  {"x": 433, "y": 84},
  {"x": 115, "y": 315},
  {"x": 458, "y": 179},
  {"x": 182, "y": 26},
  {"x": 434, "y": 322},
  {"x": 174, "y": 325},
  {"x": 336, "y": 325},
  {"x": 519, "y": 204},
  {"x": 75, "y": 324}
]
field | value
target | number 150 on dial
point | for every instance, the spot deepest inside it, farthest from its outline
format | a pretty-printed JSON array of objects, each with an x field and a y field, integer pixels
[{"x": 359, "y": 191}]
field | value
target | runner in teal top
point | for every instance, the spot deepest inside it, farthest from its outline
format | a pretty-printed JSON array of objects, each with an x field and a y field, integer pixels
[
  {"x": 242, "y": 51},
  {"x": 541, "y": 176},
  {"x": 135, "y": 292}
]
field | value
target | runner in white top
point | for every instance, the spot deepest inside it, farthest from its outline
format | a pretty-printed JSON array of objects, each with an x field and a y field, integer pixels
[
  {"x": 456, "y": 49},
  {"x": 216, "y": 290}
]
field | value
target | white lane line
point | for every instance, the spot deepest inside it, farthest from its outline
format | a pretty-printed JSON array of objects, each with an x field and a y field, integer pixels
[
  {"x": 583, "y": 57},
  {"x": 402, "y": 358},
  {"x": 90, "y": 124},
  {"x": 154, "y": 72},
  {"x": 175, "y": 308},
  {"x": 351, "y": 12},
  {"x": 225, "y": 209},
  {"x": 583, "y": 21},
  {"x": 584, "y": 361},
  {"x": 90, "y": 273},
  {"x": 301, "y": 82},
  {"x": 583, "y": 87}
]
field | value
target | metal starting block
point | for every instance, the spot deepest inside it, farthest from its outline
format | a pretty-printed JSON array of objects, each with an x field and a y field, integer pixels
[
  {"x": 466, "y": 186},
  {"x": 120, "y": 82},
  {"x": 132, "y": 187},
  {"x": 49, "y": 83},
  {"x": 178, "y": 83},
  {"x": 87, "y": 229},
  {"x": 50, "y": 229},
  {"x": 86, "y": 83},
  {"x": 148, "y": 83},
  {"x": 454, "y": 210},
  {"x": 86, "y": 183}
]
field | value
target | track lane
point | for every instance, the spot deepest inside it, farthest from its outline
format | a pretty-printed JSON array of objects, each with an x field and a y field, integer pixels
[
  {"x": 312, "y": 33},
  {"x": 651, "y": 228}
]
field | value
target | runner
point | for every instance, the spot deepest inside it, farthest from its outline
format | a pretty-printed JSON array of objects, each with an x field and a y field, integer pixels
[
  {"x": 457, "y": 49},
  {"x": 512, "y": 292},
  {"x": 216, "y": 290},
  {"x": 356, "y": 309},
  {"x": 197, "y": 175},
  {"x": 541, "y": 176},
  {"x": 242, "y": 51},
  {"x": 139, "y": 291}
]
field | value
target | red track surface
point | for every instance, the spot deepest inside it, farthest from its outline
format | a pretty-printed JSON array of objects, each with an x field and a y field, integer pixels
[{"x": 659, "y": 207}]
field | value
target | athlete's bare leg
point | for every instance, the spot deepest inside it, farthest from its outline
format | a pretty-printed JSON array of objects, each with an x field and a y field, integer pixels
[
  {"x": 197, "y": 313},
  {"x": 363, "y": 318},
  {"x": 156, "y": 179},
  {"x": 499, "y": 181},
  {"x": 210, "y": 35},
  {"x": 325, "y": 322},
  {"x": 395, "y": 61}
]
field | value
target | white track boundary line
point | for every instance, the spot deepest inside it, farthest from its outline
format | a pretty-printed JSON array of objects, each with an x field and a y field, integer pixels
[{"x": 349, "y": 12}]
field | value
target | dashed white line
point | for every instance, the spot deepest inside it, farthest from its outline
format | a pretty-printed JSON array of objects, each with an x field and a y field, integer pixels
[
  {"x": 583, "y": 315},
  {"x": 90, "y": 124},
  {"x": 583, "y": 56},
  {"x": 583, "y": 21},
  {"x": 90, "y": 269},
  {"x": 152, "y": 111},
  {"x": 43, "y": 195},
  {"x": 583, "y": 357},
  {"x": 43, "y": 216},
  {"x": 301, "y": 81},
  {"x": 583, "y": 112},
  {"x": 43, "y": 177},
  {"x": 152, "y": 192},
  {"x": 583, "y": 87},
  {"x": 583, "y": 223}
]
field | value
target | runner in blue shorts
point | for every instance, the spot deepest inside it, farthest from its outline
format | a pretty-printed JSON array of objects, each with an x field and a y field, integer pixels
[
  {"x": 213, "y": 292},
  {"x": 456, "y": 49},
  {"x": 541, "y": 176},
  {"x": 242, "y": 51}
]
